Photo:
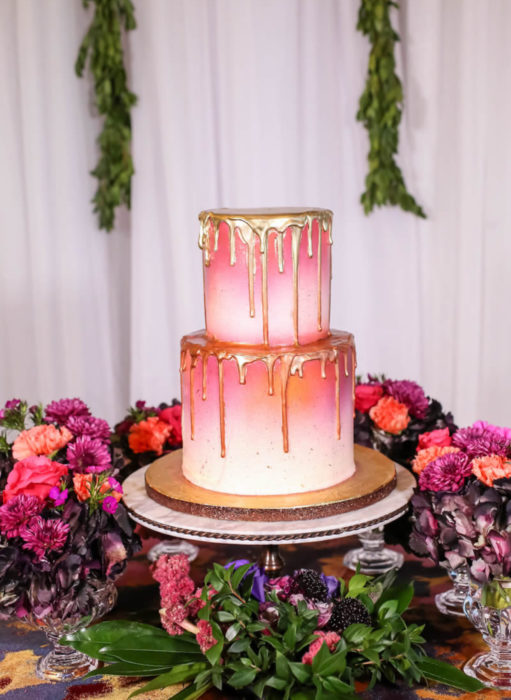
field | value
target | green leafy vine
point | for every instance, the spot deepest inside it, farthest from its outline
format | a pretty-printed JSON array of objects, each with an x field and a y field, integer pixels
[
  {"x": 102, "y": 47},
  {"x": 380, "y": 109}
]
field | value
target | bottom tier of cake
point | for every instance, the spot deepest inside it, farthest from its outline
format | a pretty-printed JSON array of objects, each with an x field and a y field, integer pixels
[{"x": 267, "y": 421}]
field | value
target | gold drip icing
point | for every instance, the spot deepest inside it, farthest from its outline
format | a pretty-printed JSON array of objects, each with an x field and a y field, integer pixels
[
  {"x": 256, "y": 226},
  {"x": 193, "y": 365},
  {"x": 222, "y": 405},
  {"x": 353, "y": 377},
  {"x": 291, "y": 361}
]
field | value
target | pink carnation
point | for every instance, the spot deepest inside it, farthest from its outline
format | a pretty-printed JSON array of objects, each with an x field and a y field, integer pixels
[{"x": 331, "y": 639}]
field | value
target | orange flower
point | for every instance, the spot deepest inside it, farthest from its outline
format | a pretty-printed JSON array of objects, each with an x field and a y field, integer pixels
[
  {"x": 428, "y": 454},
  {"x": 82, "y": 484},
  {"x": 491, "y": 467},
  {"x": 105, "y": 486},
  {"x": 390, "y": 415},
  {"x": 40, "y": 440},
  {"x": 149, "y": 435}
]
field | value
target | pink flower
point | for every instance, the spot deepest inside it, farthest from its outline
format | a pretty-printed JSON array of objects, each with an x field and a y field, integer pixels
[
  {"x": 331, "y": 639},
  {"x": 503, "y": 433},
  {"x": 445, "y": 473},
  {"x": 89, "y": 455},
  {"x": 205, "y": 637},
  {"x": 172, "y": 416},
  {"x": 195, "y": 603},
  {"x": 17, "y": 512},
  {"x": 172, "y": 573},
  {"x": 33, "y": 476},
  {"x": 114, "y": 549},
  {"x": 96, "y": 428},
  {"x": 40, "y": 440},
  {"x": 172, "y": 617},
  {"x": 440, "y": 438},
  {"x": 109, "y": 504},
  {"x": 114, "y": 484},
  {"x": 367, "y": 396},
  {"x": 428, "y": 454},
  {"x": 12, "y": 404},
  {"x": 60, "y": 411},
  {"x": 60, "y": 497},
  {"x": 42, "y": 536}
]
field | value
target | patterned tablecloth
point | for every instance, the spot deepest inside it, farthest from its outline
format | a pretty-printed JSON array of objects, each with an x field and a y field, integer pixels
[{"x": 450, "y": 638}]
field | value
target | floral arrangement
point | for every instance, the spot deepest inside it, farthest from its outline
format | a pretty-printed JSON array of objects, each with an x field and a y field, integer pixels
[
  {"x": 462, "y": 507},
  {"x": 62, "y": 527},
  {"x": 301, "y": 636},
  {"x": 391, "y": 416},
  {"x": 147, "y": 432}
]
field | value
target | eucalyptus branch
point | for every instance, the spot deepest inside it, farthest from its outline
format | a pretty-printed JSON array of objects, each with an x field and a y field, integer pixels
[
  {"x": 102, "y": 47},
  {"x": 380, "y": 109}
]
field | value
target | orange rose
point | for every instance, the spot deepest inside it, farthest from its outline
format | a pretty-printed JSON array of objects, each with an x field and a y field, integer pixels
[
  {"x": 491, "y": 467},
  {"x": 82, "y": 484},
  {"x": 40, "y": 440},
  {"x": 149, "y": 435},
  {"x": 428, "y": 454},
  {"x": 390, "y": 415}
]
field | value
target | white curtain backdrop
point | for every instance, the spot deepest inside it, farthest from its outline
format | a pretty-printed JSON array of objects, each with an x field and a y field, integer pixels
[{"x": 253, "y": 104}]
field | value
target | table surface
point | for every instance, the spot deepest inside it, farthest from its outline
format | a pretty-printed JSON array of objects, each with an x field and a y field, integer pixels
[{"x": 450, "y": 638}]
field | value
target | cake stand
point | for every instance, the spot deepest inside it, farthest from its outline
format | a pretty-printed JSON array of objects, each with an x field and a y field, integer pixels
[{"x": 269, "y": 535}]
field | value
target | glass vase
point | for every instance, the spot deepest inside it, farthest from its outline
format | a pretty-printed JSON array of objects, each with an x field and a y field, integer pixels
[
  {"x": 493, "y": 667},
  {"x": 171, "y": 547},
  {"x": 65, "y": 663},
  {"x": 451, "y": 602},
  {"x": 373, "y": 557}
]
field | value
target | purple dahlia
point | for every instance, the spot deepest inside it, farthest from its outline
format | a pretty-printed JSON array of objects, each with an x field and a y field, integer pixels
[
  {"x": 60, "y": 411},
  {"x": 17, "y": 512},
  {"x": 409, "y": 393},
  {"x": 89, "y": 455},
  {"x": 42, "y": 536},
  {"x": 91, "y": 427},
  {"x": 445, "y": 473},
  {"x": 479, "y": 441}
]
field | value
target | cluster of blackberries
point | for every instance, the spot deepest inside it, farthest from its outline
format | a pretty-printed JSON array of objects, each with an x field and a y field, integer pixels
[{"x": 345, "y": 612}]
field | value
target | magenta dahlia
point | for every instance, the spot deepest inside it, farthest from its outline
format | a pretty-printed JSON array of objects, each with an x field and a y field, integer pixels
[
  {"x": 409, "y": 393},
  {"x": 91, "y": 427},
  {"x": 17, "y": 512},
  {"x": 88, "y": 455},
  {"x": 60, "y": 411},
  {"x": 445, "y": 473},
  {"x": 42, "y": 536},
  {"x": 479, "y": 441}
]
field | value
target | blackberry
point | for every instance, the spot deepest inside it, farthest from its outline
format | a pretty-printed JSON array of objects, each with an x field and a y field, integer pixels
[
  {"x": 309, "y": 583},
  {"x": 347, "y": 611}
]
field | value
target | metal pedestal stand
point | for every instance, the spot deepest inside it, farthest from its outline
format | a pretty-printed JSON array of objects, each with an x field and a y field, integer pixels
[{"x": 269, "y": 535}]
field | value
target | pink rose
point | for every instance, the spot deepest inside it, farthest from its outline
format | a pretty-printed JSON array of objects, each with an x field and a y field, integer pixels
[
  {"x": 438, "y": 438},
  {"x": 367, "y": 396},
  {"x": 172, "y": 416},
  {"x": 34, "y": 476}
]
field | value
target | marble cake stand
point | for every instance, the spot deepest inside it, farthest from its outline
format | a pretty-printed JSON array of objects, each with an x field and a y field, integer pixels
[{"x": 270, "y": 535}]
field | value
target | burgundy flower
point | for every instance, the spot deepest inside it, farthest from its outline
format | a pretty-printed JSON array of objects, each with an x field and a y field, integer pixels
[
  {"x": 60, "y": 411},
  {"x": 427, "y": 523},
  {"x": 96, "y": 428},
  {"x": 446, "y": 473},
  {"x": 42, "y": 536},
  {"x": 17, "y": 512},
  {"x": 12, "y": 404},
  {"x": 500, "y": 542},
  {"x": 409, "y": 393},
  {"x": 87, "y": 454}
]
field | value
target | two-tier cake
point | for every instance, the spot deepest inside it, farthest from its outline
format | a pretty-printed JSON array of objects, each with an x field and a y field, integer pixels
[{"x": 267, "y": 388}]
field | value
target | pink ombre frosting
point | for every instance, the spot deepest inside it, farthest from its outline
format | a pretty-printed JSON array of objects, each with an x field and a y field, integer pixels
[
  {"x": 286, "y": 425},
  {"x": 267, "y": 275}
]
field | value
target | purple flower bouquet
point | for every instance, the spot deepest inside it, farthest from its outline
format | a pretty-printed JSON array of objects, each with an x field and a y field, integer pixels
[{"x": 63, "y": 532}]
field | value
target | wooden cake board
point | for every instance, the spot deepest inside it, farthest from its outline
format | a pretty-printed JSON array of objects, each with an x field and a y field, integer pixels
[{"x": 374, "y": 479}]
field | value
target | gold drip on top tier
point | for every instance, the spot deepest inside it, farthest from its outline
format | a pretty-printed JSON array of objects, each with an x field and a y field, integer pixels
[
  {"x": 291, "y": 361},
  {"x": 256, "y": 225}
]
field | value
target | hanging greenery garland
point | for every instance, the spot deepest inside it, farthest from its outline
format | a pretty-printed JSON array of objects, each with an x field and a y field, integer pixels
[
  {"x": 380, "y": 111},
  {"x": 102, "y": 46}
]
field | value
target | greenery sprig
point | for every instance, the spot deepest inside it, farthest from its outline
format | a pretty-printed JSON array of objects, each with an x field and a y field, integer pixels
[
  {"x": 252, "y": 656},
  {"x": 380, "y": 109},
  {"x": 102, "y": 45}
]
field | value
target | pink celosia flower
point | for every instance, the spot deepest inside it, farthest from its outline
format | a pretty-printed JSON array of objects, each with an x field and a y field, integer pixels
[
  {"x": 195, "y": 603},
  {"x": 17, "y": 512},
  {"x": 60, "y": 411},
  {"x": 176, "y": 586},
  {"x": 172, "y": 617},
  {"x": 42, "y": 536},
  {"x": 331, "y": 639},
  {"x": 205, "y": 637},
  {"x": 89, "y": 455}
]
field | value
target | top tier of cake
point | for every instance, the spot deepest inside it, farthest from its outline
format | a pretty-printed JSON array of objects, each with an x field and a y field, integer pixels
[{"x": 267, "y": 275}]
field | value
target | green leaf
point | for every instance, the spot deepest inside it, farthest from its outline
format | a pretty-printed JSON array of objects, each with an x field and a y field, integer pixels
[
  {"x": 238, "y": 575},
  {"x": 335, "y": 664},
  {"x": 290, "y": 636},
  {"x": 213, "y": 654},
  {"x": 282, "y": 666},
  {"x": 356, "y": 633},
  {"x": 357, "y": 584},
  {"x": 192, "y": 692},
  {"x": 180, "y": 673},
  {"x": 240, "y": 679},
  {"x": 302, "y": 672},
  {"x": 121, "y": 668},
  {"x": 442, "y": 672}
]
